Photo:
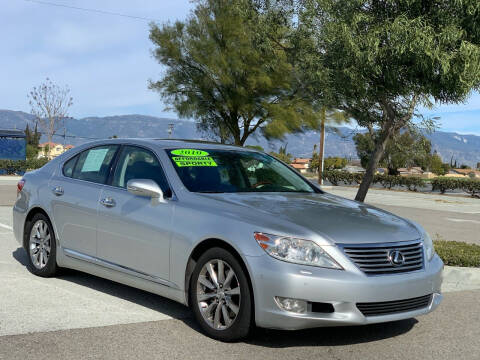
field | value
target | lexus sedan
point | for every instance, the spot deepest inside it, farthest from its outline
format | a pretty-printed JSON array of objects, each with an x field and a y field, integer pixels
[{"x": 238, "y": 236}]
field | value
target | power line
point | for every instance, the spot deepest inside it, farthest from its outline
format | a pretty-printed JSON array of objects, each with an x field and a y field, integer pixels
[{"x": 98, "y": 11}]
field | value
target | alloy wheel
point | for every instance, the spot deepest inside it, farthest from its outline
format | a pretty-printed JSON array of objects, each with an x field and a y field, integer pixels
[
  {"x": 40, "y": 244},
  {"x": 218, "y": 294}
]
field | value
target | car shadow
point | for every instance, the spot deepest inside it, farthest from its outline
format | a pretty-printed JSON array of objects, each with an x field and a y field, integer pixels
[
  {"x": 124, "y": 292},
  {"x": 331, "y": 336}
]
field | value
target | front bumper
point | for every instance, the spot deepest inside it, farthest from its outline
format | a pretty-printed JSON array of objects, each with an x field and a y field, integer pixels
[{"x": 341, "y": 288}]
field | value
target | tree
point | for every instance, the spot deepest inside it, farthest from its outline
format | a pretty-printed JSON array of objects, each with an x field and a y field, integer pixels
[
  {"x": 437, "y": 166},
  {"x": 403, "y": 150},
  {"x": 50, "y": 104},
  {"x": 32, "y": 140},
  {"x": 228, "y": 67},
  {"x": 385, "y": 57},
  {"x": 283, "y": 155}
]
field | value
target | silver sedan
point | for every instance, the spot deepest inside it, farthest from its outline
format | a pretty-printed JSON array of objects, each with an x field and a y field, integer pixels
[{"x": 233, "y": 233}]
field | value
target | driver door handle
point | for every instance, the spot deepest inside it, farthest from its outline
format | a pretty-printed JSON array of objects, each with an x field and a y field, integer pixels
[{"x": 108, "y": 202}]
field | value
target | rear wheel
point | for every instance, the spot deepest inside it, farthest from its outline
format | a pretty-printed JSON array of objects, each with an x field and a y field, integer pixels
[
  {"x": 41, "y": 246},
  {"x": 220, "y": 296}
]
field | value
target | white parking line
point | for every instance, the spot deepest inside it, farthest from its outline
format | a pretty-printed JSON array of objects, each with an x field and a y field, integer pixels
[
  {"x": 3, "y": 226},
  {"x": 464, "y": 220}
]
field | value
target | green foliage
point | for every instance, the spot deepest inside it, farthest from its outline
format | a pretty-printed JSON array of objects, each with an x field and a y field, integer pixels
[
  {"x": 329, "y": 163},
  {"x": 470, "y": 186},
  {"x": 456, "y": 253},
  {"x": 16, "y": 166},
  {"x": 437, "y": 166},
  {"x": 403, "y": 150},
  {"x": 32, "y": 151},
  {"x": 334, "y": 163},
  {"x": 336, "y": 177},
  {"x": 227, "y": 66},
  {"x": 384, "y": 58},
  {"x": 412, "y": 183},
  {"x": 282, "y": 155}
]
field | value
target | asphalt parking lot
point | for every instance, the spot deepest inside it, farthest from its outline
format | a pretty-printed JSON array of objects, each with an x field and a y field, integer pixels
[{"x": 78, "y": 316}]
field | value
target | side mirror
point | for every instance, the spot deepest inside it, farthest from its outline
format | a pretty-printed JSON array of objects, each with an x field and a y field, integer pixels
[{"x": 145, "y": 188}]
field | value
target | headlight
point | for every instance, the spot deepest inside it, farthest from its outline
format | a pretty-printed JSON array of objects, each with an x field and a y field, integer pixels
[
  {"x": 428, "y": 243},
  {"x": 296, "y": 251}
]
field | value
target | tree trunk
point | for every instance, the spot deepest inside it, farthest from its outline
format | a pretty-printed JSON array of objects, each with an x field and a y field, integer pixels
[
  {"x": 372, "y": 166},
  {"x": 321, "y": 154}
]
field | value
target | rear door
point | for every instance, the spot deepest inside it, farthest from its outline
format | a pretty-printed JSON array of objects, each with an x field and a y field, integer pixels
[
  {"x": 134, "y": 232},
  {"x": 75, "y": 195}
]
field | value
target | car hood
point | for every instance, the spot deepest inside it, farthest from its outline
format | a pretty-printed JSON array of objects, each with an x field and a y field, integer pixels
[{"x": 335, "y": 218}]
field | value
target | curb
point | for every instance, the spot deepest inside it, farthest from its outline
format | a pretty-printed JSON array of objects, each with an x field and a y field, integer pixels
[{"x": 457, "y": 278}]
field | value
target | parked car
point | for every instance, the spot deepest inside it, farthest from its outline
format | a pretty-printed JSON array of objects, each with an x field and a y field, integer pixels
[{"x": 235, "y": 234}]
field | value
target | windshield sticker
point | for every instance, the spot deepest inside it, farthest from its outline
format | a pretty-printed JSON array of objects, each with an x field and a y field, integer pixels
[
  {"x": 94, "y": 160},
  {"x": 183, "y": 161},
  {"x": 189, "y": 152}
]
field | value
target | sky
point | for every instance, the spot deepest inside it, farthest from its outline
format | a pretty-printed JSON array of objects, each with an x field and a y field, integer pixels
[{"x": 106, "y": 59}]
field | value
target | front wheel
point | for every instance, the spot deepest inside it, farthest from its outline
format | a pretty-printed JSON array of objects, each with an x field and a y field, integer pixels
[{"x": 220, "y": 296}]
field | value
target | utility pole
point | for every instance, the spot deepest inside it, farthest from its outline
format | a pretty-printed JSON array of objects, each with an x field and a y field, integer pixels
[
  {"x": 170, "y": 130},
  {"x": 323, "y": 115}
]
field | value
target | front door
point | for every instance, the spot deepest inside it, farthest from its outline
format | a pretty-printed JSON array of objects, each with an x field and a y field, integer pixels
[{"x": 134, "y": 232}]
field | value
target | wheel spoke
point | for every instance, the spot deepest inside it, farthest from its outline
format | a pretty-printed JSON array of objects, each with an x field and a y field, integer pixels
[
  {"x": 204, "y": 281},
  {"x": 203, "y": 297},
  {"x": 208, "y": 310},
  {"x": 216, "y": 319},
  {"x": 226, "y": 317},
  {"x": 212, "y": 273},
  {"x": 221, "y": 272},
  {"x": 40, "y": 261},
  {"x": 229, "y": 278},
  {"x": 233, "y": 307},
  {"x": 235, "y": 291}
]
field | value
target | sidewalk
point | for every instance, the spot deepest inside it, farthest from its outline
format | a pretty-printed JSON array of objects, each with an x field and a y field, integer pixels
[{"x": 411, "y": 199}]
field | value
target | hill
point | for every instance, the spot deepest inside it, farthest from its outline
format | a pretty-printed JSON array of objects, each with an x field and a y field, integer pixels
[{"x": 463, "y": 148}]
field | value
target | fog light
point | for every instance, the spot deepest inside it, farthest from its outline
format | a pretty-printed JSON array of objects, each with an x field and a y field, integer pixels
[{"x": 292, "y": 305}]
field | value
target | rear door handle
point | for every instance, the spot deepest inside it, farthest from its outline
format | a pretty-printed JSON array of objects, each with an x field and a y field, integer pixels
[
  {"x": 108, "y": 202},
  {"x": 58, "y": 190}
]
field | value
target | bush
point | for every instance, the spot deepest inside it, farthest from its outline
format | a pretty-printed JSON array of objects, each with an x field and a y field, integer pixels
[
  {"x": 17, "y": 166},
  {"x": 455, "y": 253},
  {"x": 335, "y": 177},
  {"x": 470, "y": 186}
]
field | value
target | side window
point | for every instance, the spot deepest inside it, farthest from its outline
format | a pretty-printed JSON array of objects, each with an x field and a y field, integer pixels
[
  {"x": 94, "y": 164},
  {"x": 69, "y": 166},
  {"x": 138, "y": 163}
]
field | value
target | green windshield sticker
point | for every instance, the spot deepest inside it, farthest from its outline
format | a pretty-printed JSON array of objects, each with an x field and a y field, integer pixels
[
  {"x": 183, "y": 161},
  {"x": 189, "y": 152}
]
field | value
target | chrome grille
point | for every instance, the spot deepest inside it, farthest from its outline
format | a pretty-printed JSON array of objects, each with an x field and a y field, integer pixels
[
  {"x": 377, "y": 259},
  {"x": 392, "y": 307}
]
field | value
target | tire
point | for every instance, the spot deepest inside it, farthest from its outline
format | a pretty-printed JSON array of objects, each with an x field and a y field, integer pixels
[
  {"x": 214, "y": 302},
  {"x": 40, "y": 244}
]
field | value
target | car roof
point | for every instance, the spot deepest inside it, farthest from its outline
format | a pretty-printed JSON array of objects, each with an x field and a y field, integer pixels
[{"x": 171, "y": 143}]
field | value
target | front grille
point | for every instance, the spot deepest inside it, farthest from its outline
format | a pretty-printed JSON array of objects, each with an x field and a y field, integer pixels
[
  {"x": 392, "y": 307},
  {"x": 377, "y": 259}
]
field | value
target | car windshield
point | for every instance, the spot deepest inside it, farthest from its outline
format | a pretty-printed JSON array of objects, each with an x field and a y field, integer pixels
[{"x": 218, "y": 171}]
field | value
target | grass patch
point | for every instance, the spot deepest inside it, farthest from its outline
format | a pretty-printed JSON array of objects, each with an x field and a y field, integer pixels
[{"x": 456, "y": 253}]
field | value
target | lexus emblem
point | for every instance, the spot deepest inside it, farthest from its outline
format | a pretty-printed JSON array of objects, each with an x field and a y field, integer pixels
[{"x": 396, "y": 258}]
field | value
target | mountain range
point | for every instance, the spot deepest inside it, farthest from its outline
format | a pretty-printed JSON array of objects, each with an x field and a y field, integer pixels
[{"x": 465, "y": 149}]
